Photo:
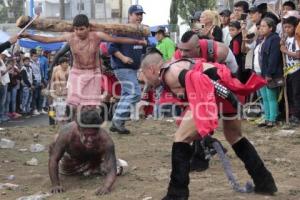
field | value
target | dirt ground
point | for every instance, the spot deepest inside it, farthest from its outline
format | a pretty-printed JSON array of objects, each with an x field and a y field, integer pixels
[{"x": 147, "y": 150}]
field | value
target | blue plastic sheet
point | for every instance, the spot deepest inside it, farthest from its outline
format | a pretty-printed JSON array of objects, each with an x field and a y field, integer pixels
[{"x": 30, "y": 44}]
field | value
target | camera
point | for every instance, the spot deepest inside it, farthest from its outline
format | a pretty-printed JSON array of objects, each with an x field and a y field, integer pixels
[
  {"x": 244, "y": 16},
  {"x": 250, "y": 35},
  {"x": 198, "y": 26}
]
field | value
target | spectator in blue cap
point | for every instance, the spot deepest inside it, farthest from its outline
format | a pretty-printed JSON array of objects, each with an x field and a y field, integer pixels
[
  {"x": 125, "y": 62},
  {"x": 137, "y": 9}
]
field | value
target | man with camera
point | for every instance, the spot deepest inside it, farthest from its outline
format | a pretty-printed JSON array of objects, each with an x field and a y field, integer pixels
[{"x": 240, "y": 10}]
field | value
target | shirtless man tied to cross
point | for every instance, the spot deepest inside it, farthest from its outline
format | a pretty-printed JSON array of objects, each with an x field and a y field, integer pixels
[
  {"x": 82, "y": 147},
  {"x": 84, "y": 84}
]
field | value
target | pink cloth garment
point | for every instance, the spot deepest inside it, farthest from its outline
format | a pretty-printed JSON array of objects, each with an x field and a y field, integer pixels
[
  {"x": 84, "y": 87},
  {"x": 201, "y": 96}
]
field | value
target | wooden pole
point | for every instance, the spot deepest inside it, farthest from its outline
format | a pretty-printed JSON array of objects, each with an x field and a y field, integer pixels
[
  {"x": 286, "y": 103},
  {"x": 54, "y": 25}
]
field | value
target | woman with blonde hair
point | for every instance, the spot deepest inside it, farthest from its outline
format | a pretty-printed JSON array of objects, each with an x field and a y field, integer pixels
[{"x": 211, "y": 22}]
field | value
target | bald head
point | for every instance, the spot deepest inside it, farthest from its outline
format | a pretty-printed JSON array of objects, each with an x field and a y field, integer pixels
[
  {"x": 152, "y": 59},
  {"x": 150, "y": 68}
]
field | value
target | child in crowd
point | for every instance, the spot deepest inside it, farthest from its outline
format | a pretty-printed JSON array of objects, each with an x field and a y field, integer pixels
[
  {"x": 291, "y": 50},
  {"x": 271, "y": 69},
  {"x": 13, "y": 87},
  {"x": 27, "y": 83},
  {"x": 59, "y": 88},
  {"x": 235, "y": 46}
]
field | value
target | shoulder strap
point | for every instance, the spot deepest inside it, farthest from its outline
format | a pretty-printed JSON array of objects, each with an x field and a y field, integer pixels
[
  {"x": 210, "y": 51},
  {"x": 294, "y": 45},
  {"x": 167, "y": 66}
]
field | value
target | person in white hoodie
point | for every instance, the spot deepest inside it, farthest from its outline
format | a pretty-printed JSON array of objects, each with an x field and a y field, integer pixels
[
  {"x": 4, "y": 80},
  {"x": 225, "y": 20}
]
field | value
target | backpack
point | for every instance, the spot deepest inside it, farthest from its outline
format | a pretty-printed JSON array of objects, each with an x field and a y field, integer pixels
[{"x": 210, "y": 51}]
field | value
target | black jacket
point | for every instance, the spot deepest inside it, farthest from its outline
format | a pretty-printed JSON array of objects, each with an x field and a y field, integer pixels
[
  {"x": 4, "y": 46},
  {"x": 271, "y": 57}
]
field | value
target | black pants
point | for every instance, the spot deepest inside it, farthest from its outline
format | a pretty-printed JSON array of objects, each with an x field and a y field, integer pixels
[{"x": 293, "y": 92}]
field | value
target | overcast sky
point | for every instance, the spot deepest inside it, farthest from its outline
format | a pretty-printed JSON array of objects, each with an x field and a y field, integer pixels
[{"x": 157, "y": 11}]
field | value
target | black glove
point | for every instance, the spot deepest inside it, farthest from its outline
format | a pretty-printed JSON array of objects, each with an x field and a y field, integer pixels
[
  {"x": 207, "y": 141},
  {"x": 207, "y": 145},
  {"x": 225, "y": 93},
  {"x": 221, "y": 90}
]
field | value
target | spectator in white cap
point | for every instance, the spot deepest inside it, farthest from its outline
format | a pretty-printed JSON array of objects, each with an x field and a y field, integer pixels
[{"x": 4, "y": 80}]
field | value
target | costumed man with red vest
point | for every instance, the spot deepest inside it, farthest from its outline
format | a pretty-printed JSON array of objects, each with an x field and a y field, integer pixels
[
  {"x": 193, "y": 47},
  {"x": 195, "y": 84}
]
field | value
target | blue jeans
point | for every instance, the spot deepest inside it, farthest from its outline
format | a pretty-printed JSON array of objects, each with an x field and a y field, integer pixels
[
  {"x": 37, "y": 100},
  {"x": 26, "y": 99},
  {"x": 130, "y": 95},
  {"x": 11, "y": 99},
  {"x": 3, "y": 94}
]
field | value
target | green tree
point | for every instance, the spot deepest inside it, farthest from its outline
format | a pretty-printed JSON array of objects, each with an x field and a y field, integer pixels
[
  {"x": 173, "y": 15},
  {"x": 10, "y": 10},
  {"x": 186, "y": 8}
]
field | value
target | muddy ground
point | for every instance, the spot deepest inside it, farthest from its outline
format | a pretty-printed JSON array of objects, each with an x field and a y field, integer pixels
[{"x": 147, "y": 150}]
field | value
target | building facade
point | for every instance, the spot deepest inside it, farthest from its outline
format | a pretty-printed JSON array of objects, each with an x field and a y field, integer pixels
[{"x": 99, "y": 10}]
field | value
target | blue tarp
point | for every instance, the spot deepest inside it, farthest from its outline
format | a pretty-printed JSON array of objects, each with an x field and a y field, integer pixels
[
  {"x": 30, "y": 44},
  {"x": 3, "y": 36},
  {"x": 152, "y": 41}
]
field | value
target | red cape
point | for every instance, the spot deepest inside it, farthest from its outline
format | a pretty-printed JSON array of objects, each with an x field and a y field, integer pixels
[
  {"x": 202, "y": 102},
  {"x": 198, "y": 85}
]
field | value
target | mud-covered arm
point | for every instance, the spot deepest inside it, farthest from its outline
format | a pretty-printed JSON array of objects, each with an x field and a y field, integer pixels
[
  {"x": 110, "y": 164},
  {"x": 55, "y": 154}
]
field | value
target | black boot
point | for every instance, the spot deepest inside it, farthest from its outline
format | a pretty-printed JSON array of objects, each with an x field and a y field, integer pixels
[
  {"x": 262, "y": 177},
  {"x": 110, "y": 111},
  {"x": 198, "y": 161},
  {"x": 106, "y": 111},
  {"x": 178, "y": 187}
]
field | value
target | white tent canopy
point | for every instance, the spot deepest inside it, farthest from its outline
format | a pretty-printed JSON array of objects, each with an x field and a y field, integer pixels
[
  {"x": 3, "y": 36},
  {"x": 257, "y": 2}
]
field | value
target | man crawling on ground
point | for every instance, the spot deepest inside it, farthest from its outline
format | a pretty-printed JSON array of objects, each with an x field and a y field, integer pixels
[{"x": 82, "y": 147}]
